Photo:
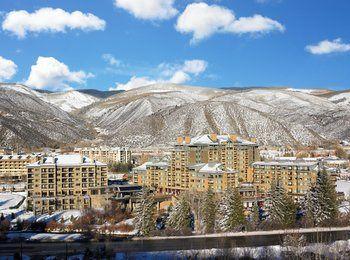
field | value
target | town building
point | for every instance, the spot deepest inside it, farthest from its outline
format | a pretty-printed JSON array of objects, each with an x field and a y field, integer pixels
[
  {"x": 231, "y": 151},
  {"x": 204, "y": 176},
  {"x": 207, "y": 161},
  {"x": 106, "y": 154},
  {"x": 66, "y": 182},
  {"x": 296, "y": 176},
  {"x": 13, "y": 167}
]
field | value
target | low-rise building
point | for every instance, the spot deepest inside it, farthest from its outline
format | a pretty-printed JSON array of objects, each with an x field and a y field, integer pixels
[{"x": 65, "y": 182}]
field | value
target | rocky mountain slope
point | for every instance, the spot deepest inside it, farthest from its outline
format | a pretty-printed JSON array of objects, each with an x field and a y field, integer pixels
[
  {"x": 341, "y": 98},
  {"x": 27, "y": 120},
  {"x": 69, "y": 100},
  {"x": 156, "y": 114}
]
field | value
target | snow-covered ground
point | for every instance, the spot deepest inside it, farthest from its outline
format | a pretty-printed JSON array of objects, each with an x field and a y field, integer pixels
[
  {"x": 9, "y": 200},
  {"x": 343, "y": 186},
  {"x": 70, "y": 100},
  {"x": 43, "y": 236}
]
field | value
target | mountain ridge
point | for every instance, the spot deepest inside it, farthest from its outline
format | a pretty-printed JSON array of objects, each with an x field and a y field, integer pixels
[{"x": 155, "y": 115}]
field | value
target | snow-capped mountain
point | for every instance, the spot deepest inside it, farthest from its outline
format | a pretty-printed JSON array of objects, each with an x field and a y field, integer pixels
[
  {"x": 69, "y": 100},
  {"x": 27, "y": 120},
  {"x": 155, "y": 115},
  {"x": 342, "y": 98}
]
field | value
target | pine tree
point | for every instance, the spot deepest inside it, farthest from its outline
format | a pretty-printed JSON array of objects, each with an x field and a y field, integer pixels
[
  {"x": 145, "y": 213},
  {"x": 208, "y": 211},
  {"x": 255, "y": 215},
  {"x": 322, "y": 203},
  {"x": 180, "y": 215},
  {"x": 231, "y": 210},
  {"x": 282, "y": 208}
]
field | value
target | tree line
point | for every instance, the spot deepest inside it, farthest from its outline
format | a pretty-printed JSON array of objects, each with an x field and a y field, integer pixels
[{"x": 210, "y": 212}]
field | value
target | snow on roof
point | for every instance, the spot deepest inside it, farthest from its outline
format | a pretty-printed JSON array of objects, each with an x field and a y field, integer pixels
[
  {"x": 285, "y": 163},
  {"x": 102, "y": 148},
  {"x": 143, "y": 167},
  {"x": 67, "y": 160},
  {"x": 212, "y": 167},
  {"x": 206, "y": 140}
]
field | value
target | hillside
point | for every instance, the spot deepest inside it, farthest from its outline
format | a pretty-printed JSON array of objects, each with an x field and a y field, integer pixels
[
  {"x": 157, "y": 114},
  {"x": 27, "y": 120},
  {"x": 70, "y": 100}
]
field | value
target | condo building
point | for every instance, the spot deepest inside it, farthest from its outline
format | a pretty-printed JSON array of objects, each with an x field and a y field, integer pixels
[
  {"x": 105, "y": 154},
  {"x": 66, "y": 182},
  {"x": 297, "y": 176},
  {"x": 232, "y": 152},
  {"x": 204, "y": 176},
  {"x": 208, "y": 161},
  {"x": 13, "y": 168}
]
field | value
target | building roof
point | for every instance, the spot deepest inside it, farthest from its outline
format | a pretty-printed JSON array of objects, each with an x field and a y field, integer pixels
[
  {"x": 286, "y": 163},
  {"x": 102, "y": 148},
  {"x": 67, "y": 160},
  {"x": 212, "y": 167},
  {"x": 207, "y": 140},
  {"x": 17, "y": 156}
]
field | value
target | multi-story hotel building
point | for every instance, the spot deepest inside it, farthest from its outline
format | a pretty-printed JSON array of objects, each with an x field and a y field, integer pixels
[
  {"x": 296, "y": 176},
  {"x": 207, "y": 161},
  {"x": 204, "y": 176},
  {"x": 13, "y": 168},
  {"x": 65, "y": 182},
  {"x": 153, "y": 174},
  {"x": 232, "y": 152},
  {"x": 106, "y": 154}
]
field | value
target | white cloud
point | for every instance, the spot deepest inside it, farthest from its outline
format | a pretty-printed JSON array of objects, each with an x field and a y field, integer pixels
[
  {"x": 134, "y": 82},
  {"x": 326, "y": 47},
  {"x": 52, "y": 74},
  {"x": 255, "y": 24},
  {"x": 203, "y": 20},
  {"x": 111, "y": 59},
  {"x": 48, "y": 19},
  {"x": 179, "y": 77},
  {"x": 7, "y": 69},
  {"x": 149, "y": 9},
  {"x": 195, "y": 66},
  {"x": 168, "y": 73}
]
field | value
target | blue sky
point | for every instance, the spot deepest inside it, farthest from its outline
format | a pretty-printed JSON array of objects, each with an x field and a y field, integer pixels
[{"x": 226, "y": 52}]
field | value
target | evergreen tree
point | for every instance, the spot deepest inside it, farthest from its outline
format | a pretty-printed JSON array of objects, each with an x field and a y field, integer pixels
[
  {"x": 145, "y": 213},
  {"x": 282, "y": 208},
  {"x": 180, "y": 215},
  {"x": 231, "y": 210},
  {"x": 322, "y": 203},
  {"x": 208, "y": 211},
  {"x": 255, "y": 215}
]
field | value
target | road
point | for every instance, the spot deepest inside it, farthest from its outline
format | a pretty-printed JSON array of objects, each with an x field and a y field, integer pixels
[{"x": 227, "y": 240}]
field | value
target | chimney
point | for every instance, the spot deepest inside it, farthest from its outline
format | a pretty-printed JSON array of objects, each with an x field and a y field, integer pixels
[
  {"x": 214, "y": 137},
  {"x": 233, "y": 138},
  {"x": 180, "y": 140},
  {"x": 187, "y": 139}
]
